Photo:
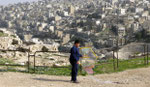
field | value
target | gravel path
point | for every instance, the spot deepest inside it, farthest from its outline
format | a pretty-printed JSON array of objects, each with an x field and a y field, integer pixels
[{"x": 129, "y": 78}]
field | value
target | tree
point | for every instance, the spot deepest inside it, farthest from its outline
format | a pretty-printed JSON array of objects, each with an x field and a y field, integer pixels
[
  {"x": 3, "y": 24},
  {"x": 142, "y": 35},
  {"x": 114, "y": 30}
]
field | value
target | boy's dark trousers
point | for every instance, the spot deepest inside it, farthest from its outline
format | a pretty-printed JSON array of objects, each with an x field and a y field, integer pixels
[{"x": 74, "y": 72}]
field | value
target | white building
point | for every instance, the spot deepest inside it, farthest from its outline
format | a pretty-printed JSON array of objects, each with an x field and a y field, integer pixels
[
  {"x": 36, "y": 40},
  {"x": 71, "y": 10},
  {"x": 52, "y": 29},
  {"x": 139, "y": 10},
  {"x": 122, "y": 11}
]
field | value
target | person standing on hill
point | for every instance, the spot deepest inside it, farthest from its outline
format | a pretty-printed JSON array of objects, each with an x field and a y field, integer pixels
[{"x": 74, "y": 60}]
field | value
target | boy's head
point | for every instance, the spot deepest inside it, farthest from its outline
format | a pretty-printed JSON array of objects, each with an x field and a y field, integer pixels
[{"x": 77, "y": 43}]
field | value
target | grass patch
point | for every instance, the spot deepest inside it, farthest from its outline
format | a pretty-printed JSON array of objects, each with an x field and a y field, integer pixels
[
  {"x": 13, "y": 36},
  {"x": 4, "y": 66},
  {"x": 104, "y": 66},
  {"x": 6, "y": 61},
  {"x": 107, "y": 67},
  {"x": 3, "y": 34},
  {"x": 52, "y": 71}
]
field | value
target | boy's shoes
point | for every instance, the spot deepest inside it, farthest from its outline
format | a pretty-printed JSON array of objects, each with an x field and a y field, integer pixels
[{"x": 76, "y": 82}]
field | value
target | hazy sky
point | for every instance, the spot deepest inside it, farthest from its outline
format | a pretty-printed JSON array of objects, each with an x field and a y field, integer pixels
[{"x": 6, "y": 2}]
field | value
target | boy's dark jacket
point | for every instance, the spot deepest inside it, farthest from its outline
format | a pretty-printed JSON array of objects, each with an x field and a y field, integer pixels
[{"x": 75, "y": 55}]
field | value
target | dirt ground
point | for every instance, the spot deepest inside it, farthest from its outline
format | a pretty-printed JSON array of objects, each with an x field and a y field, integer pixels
[{"x": 129, "y": 78}]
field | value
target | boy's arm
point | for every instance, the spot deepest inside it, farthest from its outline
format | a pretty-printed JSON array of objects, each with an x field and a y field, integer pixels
[{"x": 78, "y": 53}]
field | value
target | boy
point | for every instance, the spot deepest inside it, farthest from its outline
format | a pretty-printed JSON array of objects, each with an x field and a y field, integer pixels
[{"x": 74, "y": 60}]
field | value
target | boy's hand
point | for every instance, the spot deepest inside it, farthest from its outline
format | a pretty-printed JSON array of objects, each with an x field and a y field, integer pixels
[{"x": 78, "y": 62}]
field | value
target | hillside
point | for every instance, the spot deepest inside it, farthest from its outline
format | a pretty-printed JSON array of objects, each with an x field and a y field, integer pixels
[{"x": 132, "y": 49}]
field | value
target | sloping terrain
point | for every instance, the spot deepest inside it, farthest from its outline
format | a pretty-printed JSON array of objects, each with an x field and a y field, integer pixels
[
  {"x": 129, "y": 78},
  {"x": 132, "y": 49}
]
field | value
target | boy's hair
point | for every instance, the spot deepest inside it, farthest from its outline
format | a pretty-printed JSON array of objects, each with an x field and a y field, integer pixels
[{"x": 76, "y": 41}]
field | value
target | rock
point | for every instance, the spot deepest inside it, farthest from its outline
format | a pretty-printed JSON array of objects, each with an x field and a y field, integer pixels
[
  {"x": 57, "y": 65},
  {"x": 22, "y": 64},
  {"x": 140, "y": 54},
  {"x": 44, "y": 48},
  {"x": 11, "y": 41},
  {"x": 6, "y": 63},
  {"x": 51, "y": 58}
]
